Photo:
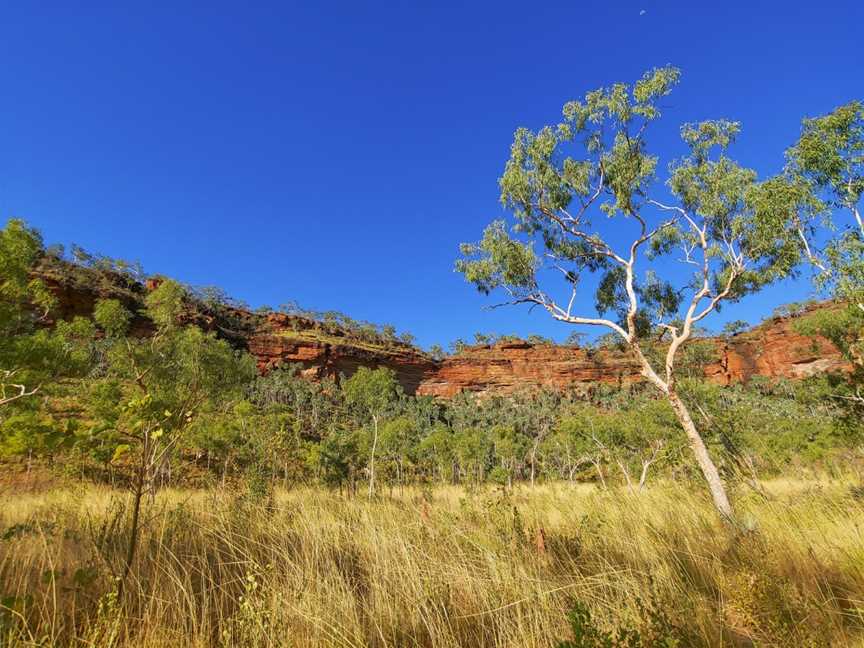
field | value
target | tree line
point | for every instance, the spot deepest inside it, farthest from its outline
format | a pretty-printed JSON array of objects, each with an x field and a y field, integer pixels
[{"x": 182, "y": 406}]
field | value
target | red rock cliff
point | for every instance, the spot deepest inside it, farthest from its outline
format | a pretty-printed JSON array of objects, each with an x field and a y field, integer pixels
[
  {"x": 772, "y": 349},
  {"x": 508, "y": 366}
]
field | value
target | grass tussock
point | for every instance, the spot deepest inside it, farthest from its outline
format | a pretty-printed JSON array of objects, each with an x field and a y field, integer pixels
[{"x": 446, "y": 568}]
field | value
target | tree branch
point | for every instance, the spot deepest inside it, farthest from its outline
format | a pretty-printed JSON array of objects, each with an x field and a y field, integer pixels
[{"x": 22, "y": 390}]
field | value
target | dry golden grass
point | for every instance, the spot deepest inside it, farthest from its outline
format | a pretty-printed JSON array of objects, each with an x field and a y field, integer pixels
[{"x": 314, "y": 569}]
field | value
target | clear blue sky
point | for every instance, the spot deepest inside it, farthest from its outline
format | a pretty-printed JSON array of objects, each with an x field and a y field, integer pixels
[{"x": 336, "y": 153}]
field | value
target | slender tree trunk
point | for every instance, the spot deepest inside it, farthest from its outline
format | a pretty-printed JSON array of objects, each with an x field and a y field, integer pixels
[
  {"x": 626, "y": 473},
  {"x": 372, "y": 458},
  {"x": 599, "y": 467},
  {"x": 533, "y": 463},
  {"x": 643, "y": 478},
  {"x": 706, "y": 464},
  {"x": 709, "y": 470},
  {"x": 646, "y": 464},
  {"x": 134, "y": 529}
]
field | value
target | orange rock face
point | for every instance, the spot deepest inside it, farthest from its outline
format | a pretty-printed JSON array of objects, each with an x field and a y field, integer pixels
[
  {"x": 510, "y": 366},
  {"x": 324, "y": 359},
  {"x": 773, "y": 349}
]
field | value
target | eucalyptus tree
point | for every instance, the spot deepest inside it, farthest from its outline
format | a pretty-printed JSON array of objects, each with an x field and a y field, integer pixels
[
  {"x": 160, "y": 385},
  {"x": 821, "y": 188},
  {"x": 436, "y": 451},
  {"x": 565, "y": 451},
  {"x": 536, "y": 412},
  {"x": 820, "y": 192},
  {"x": 636, "y": 438},
  {"x": 313, "y": 405},
  {"x": 587, "y": 200},
  {"x": 396, "y": 445},
  {"x": 24, "y": 301},
  {"x": 472, "y": 448},
  {"x": 35, "y": 349},
  {"x": 735, "y": 327},
  {"x": 511, "y": 448},
  {"x": 372, "y": 392}
]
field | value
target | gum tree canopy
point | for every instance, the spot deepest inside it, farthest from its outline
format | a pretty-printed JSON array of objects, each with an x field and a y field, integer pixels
[
  {"x": 24, "y": 301},
  {"x": 820, "y": 190},
  {"x": 588, "y": 201}
]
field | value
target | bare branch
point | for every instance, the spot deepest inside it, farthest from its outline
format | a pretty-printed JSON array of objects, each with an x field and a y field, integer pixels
[
  {"x": 564, "y": 316},
  {"x": 21, "y": 390}
]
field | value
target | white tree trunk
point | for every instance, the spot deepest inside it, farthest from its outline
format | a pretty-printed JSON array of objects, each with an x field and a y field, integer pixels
[
  {"x": 709, "y": 470},
  {"x": 626, "y": 473}
]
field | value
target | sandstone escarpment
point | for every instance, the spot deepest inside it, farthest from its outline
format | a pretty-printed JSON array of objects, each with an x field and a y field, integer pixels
[
  {"x": 324, "y": 352},
  {"x": 509, "y": 366},
  {"x": 773, "y": 349}
]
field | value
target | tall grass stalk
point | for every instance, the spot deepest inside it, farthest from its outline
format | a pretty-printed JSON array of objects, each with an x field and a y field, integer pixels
[{"x": 449, "y": 568}]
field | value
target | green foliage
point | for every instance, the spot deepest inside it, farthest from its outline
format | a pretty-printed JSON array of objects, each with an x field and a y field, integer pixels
[
  {"x": 734, "y": 327},
  {"x": 819, "y": 189},
  {"x": 337, "y": 459},
  {"x": 773, "y": 425},
  {"x": 844, "y": 327},
  {"x": 372, "y": 391},
  {"x": 24, "y": 301},
  {"x": 154, "y": 388},
  {"x": 20, "y": 248},
  {"x": 118, "y": 402},
  {"x": 472, "y": 447},
  {"x": 33, "y": 358},
  {"x": 458, "y": 346},
  {"x": 436, "y": 451},
  {"x": 587, "y": 633},
  {"x": 32, "y": 433},
  {"x": 598, "y": 160},
  {"x": 830, "y": 153},
  {"x": 499, "y": 260},
  {"x": 165, "y": 304},
  {"x": 112, "y": 317},
  {"x": 437, "y": 352},
  {"x": 577, "y": 189},
  {"x": 333, "y": 323}
]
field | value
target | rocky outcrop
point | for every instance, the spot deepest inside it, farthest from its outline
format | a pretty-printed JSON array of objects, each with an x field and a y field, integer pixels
[
  {"x": 510, "y": 366},
  {"x": 321, "y": 351},
  {"x": 772, "y": 349},
  {"x": 775, "y": 350}
]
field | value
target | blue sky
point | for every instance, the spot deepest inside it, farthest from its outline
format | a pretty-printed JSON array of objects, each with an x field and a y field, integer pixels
[{"x": 337, "y": 153}]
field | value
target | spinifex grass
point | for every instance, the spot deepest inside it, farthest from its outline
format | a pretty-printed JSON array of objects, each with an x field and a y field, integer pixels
[{"x": 448, "y": 568}]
